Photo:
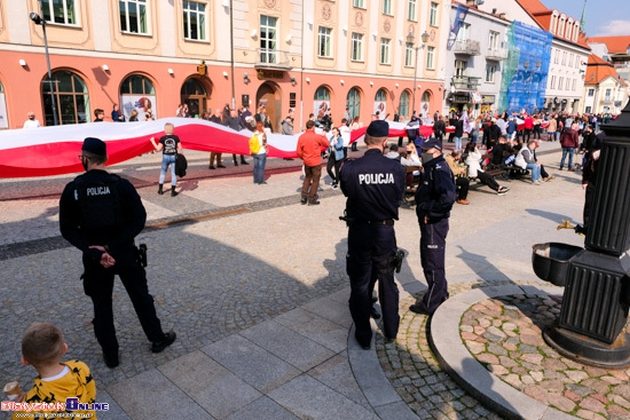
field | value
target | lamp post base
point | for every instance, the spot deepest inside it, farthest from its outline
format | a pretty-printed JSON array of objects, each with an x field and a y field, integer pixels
[{"x": 586, "y": 350}]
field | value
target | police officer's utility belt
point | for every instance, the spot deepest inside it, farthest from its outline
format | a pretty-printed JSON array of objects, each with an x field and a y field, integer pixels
[{"x": 388, "y": 222}]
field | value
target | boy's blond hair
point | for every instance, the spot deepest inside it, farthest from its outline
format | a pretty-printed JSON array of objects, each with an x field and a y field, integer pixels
[
  {"x": 167, "y": 125},
  {"x": 42, "y": 344}
]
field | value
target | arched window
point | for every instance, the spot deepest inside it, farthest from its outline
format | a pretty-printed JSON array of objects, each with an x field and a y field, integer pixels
[
  {"x": 353, "y": 102},
  {"x": 569, "y": 30},
  {"x": 4, "y": 115},
  {"x": 381, "y": 95},
  {"x": 322, "y": 94},
  {"x": 426, "y": 103},
  {"x": 321, "y": 103},
  {"x": 554, "y": 22},
  {"x": 71, "y": 98},
  {"x": 193, "y": 86},
  {"x": 403, "y": 108},
  {"x": 561, "y": 25},
  {"x": 195, "y": 94},
  {"x": 137, "y": 94}
]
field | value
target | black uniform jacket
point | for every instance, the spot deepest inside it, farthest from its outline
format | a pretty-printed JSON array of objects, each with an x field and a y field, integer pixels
[
  {"x": 374, "y": 186},
  {"x": 436, "y": 194}
]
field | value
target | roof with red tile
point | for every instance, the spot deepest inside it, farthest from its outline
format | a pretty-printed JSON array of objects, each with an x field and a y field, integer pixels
[
  {"x": 616, "y": 44},
  {"x": 598, "y": 69}
]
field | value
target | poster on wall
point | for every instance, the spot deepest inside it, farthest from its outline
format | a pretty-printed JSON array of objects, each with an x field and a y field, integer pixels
[
  {"x": 144, "y": 105},
  {"x": 4, "y": 117},
  {"x": 320, "y": 108},
  {"x": 381, "y": 108}
]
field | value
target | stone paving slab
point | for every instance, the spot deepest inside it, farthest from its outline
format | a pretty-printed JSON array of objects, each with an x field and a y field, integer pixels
[
  {"x": 251, "y": 363},
  {"x": 296, "y": 349},
  {"x": 212, "y": 386},
  {"x": 320, "y": 330},
  {"x": 151, "y": 395},
  {"x": 309, "y": 398},
  {"x": 336, "y": 373},
  {"x": 263, "y": 408}
]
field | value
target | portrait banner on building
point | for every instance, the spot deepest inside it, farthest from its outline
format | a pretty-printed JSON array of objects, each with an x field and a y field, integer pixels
[
  {"x": 4, "y": 117},
  {"x": 381, "y": 108},
  {"x": 143, "y": 104},
  {"x": 320, "y": 108}
]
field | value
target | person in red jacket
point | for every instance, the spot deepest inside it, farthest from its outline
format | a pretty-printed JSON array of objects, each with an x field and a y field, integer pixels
[
  {"x": 569, "y": 140},
  {"x": 529, "y": 127},
  {"x": 309, "y": 149}
]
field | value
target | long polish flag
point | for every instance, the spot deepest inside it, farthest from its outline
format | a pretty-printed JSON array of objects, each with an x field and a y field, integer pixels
[{"x": 54, "y": 150}]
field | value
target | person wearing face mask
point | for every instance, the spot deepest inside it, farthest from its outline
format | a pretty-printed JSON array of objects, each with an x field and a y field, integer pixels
[
  {"x": 101, "y": 214},
  {"x": 374, "y": 187},
  {"x": 434, "y": 200}
]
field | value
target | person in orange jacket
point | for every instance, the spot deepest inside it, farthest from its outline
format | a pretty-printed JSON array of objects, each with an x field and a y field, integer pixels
[{"x": 309, "y": 149}]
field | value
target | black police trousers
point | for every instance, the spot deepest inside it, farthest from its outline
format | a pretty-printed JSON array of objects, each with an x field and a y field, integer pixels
[
  {"x": 98, "y": 284},
  {"x": 371, "y": 249},
  {"x": 432, "y": 258}
]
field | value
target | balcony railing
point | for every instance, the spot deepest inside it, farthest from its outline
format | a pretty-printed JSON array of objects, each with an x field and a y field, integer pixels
[
  {"x": 496, "y": 54},
  {"x": 467, "y": 47},
  {"x": 607, "y": 101},
  {"x": 273, "y": 59},
  {"x": 465, "y": 83}
]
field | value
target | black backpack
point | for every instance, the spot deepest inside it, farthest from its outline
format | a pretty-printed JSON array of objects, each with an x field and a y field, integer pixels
[{"x": 181, "y": 164}]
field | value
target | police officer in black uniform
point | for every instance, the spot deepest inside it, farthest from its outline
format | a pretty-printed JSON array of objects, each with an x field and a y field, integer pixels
[
  {"x": 374, "y": 186},
  {"x": 434, "y": 200},
  {"x": 100, "y": 214}
]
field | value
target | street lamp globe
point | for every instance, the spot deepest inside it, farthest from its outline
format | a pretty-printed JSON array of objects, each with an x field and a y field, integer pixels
[{"x": 36, "y": 18}]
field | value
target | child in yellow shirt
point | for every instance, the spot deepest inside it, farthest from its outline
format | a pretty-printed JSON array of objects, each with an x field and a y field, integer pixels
[{"x": 43, "y": 347}]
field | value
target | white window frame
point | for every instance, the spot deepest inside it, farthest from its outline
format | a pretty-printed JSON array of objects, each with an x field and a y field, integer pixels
[
  {"x": 409, "y": 58},
  {"x": 560, "y": 82},
  {"x": 564, "y": 58},
  {"x": 552, "y": 85},
  {"x": 464, "y": 32},
  {"x": 460, "y": 68},
  {"x": 358, "y": 3},
  {"x": 324, "y": 39},
  {"x": 387, "y": 7},
  {"x": 385, "y": 51},
  {"x": 430, "y": 61},
  {"x": 433, "y": 14},
  {"x": 412, "y": 10},
  {"x": 491, "y": 69},
  {"x": 356, "y": 45},
  {"x": 493, "y": 40},
  {"x": 147, "y": 9},
  {"x": 567, "y": 84},
  {"x": 591, "y": 92},
  {"x": 270, "y": 55},
  {"x": 51, "y": 11},
  {"x": 197, "y": 14},
  {"x": 573, "y": 84}
]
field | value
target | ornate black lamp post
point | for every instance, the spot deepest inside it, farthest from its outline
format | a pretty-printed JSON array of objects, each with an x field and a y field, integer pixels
[
  {"x": 594, "y": 311},
  {"x": 38, "y": 20}
]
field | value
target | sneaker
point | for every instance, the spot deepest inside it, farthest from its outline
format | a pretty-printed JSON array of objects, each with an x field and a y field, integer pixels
[
  {"x": 463, "y": 202},
  {"x": 111, "y": 360},
  {"x": 211, "y": 167},
  {"x": 159, "y": 346},
  {"x": 334, "y": 186},
  {"x": 303, "y": 201},
  {"x": 314, "y": 203},
  {"x": 502, "y": 190},
  {"x": 537, "y": 182}
]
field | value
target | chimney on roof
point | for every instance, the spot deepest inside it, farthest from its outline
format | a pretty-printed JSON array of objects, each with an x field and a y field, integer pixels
[
  {"x": 501, "y": 15},
  {"x": 494, "y": 11}
]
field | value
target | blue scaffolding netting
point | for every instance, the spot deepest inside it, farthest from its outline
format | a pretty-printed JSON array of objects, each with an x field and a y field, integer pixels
[{"x": 525, "y": 71}]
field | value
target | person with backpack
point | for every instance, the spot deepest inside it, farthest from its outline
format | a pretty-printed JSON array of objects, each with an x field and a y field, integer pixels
[{"x": 170, "y": 146}]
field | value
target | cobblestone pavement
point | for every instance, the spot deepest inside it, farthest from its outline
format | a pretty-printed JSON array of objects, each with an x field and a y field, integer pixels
[{"x": 505, "y": 334}]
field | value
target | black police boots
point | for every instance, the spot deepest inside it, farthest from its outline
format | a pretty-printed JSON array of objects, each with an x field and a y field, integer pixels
[
  {"x": 161, "y": 189},
  {"x": 111, "y": 359},
  {"x": 173, "y": 192},
  {"x": 159, "y": 346}
]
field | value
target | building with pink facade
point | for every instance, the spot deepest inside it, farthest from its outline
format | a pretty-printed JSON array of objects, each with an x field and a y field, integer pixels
[{"x": 151, "y": 55}]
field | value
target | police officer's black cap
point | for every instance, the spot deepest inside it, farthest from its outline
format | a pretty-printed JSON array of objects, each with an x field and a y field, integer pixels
[
  {"x": 378, "y": 128},
  {"x": 432, "y": 143},
  {"x": 94, "y": 146}
]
